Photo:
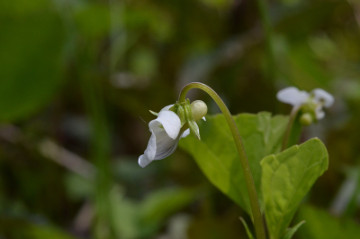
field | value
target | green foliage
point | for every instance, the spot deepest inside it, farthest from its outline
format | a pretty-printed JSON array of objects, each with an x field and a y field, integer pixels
[
  {"x": 159, "y": 205},
  {"x": 144, "y": 62},
  {"x": 248, "y": 232},
  {"x": 93, "y": 20},
  {"x": 321, "y": 224},
  {"x": 43, "y": 232},
  {"x": 217, "y": 3},
  {"x": 217, "y": 157},
  {"x": 141, "y": 219},
  {"x": 291, "y": 231},
  {"x": 78, "y": 187},
  {"x": 31, "y": 60},
  {"x": 141, "y": 53},
  {"x": 286, "y": 179},
  {"x": 123, "y": 207},
  {"x": 17, "y": 228}
]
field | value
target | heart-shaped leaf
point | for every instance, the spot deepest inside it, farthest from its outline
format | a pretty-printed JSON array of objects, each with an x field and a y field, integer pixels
[
  {"x": 286, "y": 179},
  {"x": 216, "y": 153}
]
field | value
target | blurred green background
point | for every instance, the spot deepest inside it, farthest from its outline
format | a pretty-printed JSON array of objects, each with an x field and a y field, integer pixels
[{"x": 77, "y": 78}]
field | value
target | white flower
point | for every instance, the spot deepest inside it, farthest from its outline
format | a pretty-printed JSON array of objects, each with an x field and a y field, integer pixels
[
  {"x": 314, "y": 101},
  {"x": 164, "y": 138},
  {"x": 292, "y": 96},
  {"x": 321, "y": 95},
  {"x": 166, "y": 131}
]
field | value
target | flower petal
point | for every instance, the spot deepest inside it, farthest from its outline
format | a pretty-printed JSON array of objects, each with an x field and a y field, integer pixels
[
  {"x": 169, "y": 121},
  {"x": 292, "y": 96},
  {"x": 323, "y": 96},
  {"x": 164, "y": 145},
  {"x": 159, "y": 146},
  {"x": 167, "y": 107},
  {"x": 143, "y": 161},
  {"x": 186, "y": 133},
  {"x": 319, "y": 113}
]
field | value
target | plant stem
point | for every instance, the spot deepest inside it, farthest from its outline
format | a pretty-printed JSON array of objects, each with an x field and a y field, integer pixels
[
  {"x": 289, "y": 126},
  {"x": 254, "y": 202},
  {"x": 100, "y": 154}
]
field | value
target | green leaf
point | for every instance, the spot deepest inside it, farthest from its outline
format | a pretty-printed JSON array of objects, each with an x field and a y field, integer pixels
[
  {"x": 31, "y": 61},
  {"x": 247, "y": 229},
  {"x": 217, "y": 157},
  {"x": 124, "y": 214},
  {"x": 320, "y": 224},
  {"x": 18, "y": 228},
  {"x": 291, "y": 231},
  {"x": 287, "y": 177},
  {"x": 44, "y": 231}
]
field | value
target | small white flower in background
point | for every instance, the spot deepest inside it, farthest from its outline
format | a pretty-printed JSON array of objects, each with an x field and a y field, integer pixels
[
  {"x": 310, "y": 104},
  {"x": 292, "y": 96},
  {"x": 167, "y": 129}
]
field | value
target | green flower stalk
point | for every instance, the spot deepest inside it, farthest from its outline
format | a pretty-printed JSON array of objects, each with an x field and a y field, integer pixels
[{"x": 254, "y": 201}]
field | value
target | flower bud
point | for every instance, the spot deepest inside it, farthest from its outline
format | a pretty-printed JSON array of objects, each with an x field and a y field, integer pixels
[
  {"x": 198, "y": 109},
  {"x": 306, "y": 119}
]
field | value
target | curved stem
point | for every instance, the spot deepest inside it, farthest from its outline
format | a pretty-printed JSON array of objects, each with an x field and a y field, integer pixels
[{"x": 254, "y": 202}]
